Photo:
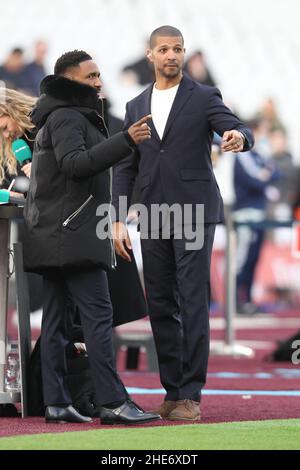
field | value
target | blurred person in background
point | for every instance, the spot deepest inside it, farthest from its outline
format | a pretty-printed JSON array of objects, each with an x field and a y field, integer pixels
[
  {"x": 139, "y": 72},
  {"x": 252, "y": 176},
  {"x": 262, "y": 143},
  {"x": 15, "y": 123},
  {"x": 36, "y": 70},
  {"x": 288, "y": 183},
  {"x": 13, "y": 72},
  {"x": 269, "y": 113},
  {"x": 197, "y": 69}
]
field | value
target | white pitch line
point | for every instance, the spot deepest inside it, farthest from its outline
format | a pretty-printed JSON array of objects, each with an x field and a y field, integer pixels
[
  {"x": 254, "y": 323},
  {"x": 263, "y": 345}
]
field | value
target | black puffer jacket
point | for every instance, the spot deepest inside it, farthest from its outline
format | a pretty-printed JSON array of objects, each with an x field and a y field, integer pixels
[{"x": 70, "y": 178}]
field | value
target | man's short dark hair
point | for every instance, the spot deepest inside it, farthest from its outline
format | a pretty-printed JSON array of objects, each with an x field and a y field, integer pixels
[
  {"x": 165, "y": 31},
  {"x": 17, "y": 50},
  {"x": 70, "y": 59},
  {"x": 253, "y": 123}
]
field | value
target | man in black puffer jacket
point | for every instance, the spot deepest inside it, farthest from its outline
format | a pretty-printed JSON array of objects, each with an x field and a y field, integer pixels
[{"x": 70, "y": 178}]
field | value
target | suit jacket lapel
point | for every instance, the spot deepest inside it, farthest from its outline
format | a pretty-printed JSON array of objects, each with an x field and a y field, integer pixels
[
  {"x": 146, "y": 109},
  {"x": 183, "y": 94}
]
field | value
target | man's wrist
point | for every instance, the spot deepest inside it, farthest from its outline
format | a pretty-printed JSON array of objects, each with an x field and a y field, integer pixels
[
  {"x": 129, "y": 139},
  {"x": 243, "y": 137}
]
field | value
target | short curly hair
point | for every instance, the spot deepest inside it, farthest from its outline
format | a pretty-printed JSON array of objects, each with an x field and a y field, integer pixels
[{"x": 70, "y": 59}]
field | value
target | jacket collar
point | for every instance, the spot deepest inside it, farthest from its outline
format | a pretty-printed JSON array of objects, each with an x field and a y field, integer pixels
[
  {"x": 72, "y": 92},
  {"x": 60, "y": 92}
]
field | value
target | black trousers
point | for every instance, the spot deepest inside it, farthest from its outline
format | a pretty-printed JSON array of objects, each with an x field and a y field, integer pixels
[
  {"x": 177, "y": 284},
  {"x": 88, "y": 289}
]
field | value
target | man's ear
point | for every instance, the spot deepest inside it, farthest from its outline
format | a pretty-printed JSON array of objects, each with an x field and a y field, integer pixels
[
  {"x": 68, "y": 75},
  {"x": 149, "y": 55}
]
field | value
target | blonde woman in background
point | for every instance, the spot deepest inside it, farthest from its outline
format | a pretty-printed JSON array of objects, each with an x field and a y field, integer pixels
[{"x": 15, "y": 123}]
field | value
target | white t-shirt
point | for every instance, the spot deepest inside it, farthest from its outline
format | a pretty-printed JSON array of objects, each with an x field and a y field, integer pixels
[{"x": 161, "y": 104}]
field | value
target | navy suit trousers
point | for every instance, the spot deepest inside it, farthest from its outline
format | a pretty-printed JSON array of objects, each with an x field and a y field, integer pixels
[{"x": 177, "y": 284}]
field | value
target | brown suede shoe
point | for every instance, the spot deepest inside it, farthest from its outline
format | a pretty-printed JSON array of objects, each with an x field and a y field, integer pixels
[
  {"x": 165, "y": 408},
  {"x": 185, "y": 410}
]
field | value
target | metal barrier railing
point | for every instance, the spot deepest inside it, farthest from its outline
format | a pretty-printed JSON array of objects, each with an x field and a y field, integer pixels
[
  {"x": 7, "y": 213},
  {"x": 230, "y": 346}
]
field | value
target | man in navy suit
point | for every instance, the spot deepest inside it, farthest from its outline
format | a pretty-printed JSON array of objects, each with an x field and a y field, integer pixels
[{"x": 174, "y": 168}]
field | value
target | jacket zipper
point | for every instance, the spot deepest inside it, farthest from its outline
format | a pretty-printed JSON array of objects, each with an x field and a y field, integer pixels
[
  {"x": 113, "y": 251},
  {"x": 77, "y": 212}
]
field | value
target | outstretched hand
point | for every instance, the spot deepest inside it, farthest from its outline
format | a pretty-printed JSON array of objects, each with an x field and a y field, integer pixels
[{"x": 233, "y": 141}]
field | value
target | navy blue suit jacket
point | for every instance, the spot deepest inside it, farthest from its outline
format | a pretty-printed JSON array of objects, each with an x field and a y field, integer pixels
[{"x": 178, "y": 167}]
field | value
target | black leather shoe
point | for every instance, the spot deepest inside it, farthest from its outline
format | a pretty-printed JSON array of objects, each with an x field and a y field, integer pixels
[
  {"x": 59, "y": 414},
  {"x": 128, "y": 413}
]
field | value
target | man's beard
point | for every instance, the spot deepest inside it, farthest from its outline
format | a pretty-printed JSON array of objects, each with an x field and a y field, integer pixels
[{"x": 171, "y": 73}]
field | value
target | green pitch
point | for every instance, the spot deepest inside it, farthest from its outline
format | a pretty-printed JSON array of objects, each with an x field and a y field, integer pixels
[{"x": 273, "y": 434}]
